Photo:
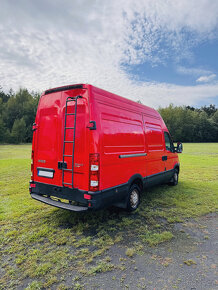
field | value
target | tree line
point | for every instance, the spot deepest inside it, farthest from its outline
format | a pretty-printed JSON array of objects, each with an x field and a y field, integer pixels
[
  {"x": 189, "y": 124},
  {"x": 185, "y": 123},
  {"x": 17, "y": 115}
]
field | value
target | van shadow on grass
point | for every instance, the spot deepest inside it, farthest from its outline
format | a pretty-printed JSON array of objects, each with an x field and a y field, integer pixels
[
  {"x": 151, "y": 223},
  {"x": 152, "y": 217},
  {"x": 107, "y": 216}
]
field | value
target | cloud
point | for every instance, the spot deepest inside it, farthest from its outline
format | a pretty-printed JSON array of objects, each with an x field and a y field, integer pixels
[
  {"x": 192, "y": 71},
  {"x": 206, "y": 79},
  {"x": 50, "y": 43}
]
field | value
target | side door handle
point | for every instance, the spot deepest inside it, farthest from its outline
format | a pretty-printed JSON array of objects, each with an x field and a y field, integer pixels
[{"x": 164, "y": 158}]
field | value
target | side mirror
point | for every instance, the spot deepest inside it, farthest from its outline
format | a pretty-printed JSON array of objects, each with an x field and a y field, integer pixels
[{"x": 179, "y": 147}]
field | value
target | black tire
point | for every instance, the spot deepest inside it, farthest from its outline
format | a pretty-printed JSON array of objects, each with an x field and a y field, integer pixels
[
  {"x": 175, "y": 178},
  {"x": 133, "y": 198}
]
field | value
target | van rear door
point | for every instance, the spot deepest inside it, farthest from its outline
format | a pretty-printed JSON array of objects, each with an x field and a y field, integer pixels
[
  {"x": 75, "y": 140},
  {"x": 53, "y": 156},
  {"x": 47, "y": 139}
]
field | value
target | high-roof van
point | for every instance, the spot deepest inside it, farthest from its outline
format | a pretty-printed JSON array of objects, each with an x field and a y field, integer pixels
[{"x": 92, "y": 149}]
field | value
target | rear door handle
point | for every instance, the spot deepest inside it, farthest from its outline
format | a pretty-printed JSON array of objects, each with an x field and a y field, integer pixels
[
  {"x": 164, "y": 158},
  {"x": 62, "y": 165}
]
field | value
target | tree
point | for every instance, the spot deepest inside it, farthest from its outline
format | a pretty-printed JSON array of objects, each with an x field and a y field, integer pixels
[
  {"x": 21, "y": 105},
  {"x": 18, "y": 131},
  {"x": 2, "y": 130},
  {"x": 210, "y": 110},
  {"x": 3, "y": 96}
]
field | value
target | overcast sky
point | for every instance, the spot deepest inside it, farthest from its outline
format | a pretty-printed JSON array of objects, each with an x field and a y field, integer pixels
[{"x": 156, "y": 51}]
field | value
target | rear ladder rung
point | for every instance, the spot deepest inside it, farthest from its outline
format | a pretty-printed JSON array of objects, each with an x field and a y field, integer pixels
[
  {"x": 67, "y": 183},
  {"x": 70, "y": 114},
  {"x": 69, "y": 127},
  {"x": 68, "y": 141},
  {"x": 71, "y": 100},
  {"x": 66, "y": 169},
  {"x": 67, "y": 155}
]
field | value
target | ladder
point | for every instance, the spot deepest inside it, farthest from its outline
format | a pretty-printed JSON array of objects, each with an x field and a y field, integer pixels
[{"x": 69, "y": 99}]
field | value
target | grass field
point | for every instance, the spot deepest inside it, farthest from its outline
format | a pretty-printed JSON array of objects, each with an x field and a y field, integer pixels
[{"x": 40, "y": 245}]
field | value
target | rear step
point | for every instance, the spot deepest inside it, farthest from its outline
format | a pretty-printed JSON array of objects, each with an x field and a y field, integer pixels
[{"x": 59, "y": 204}]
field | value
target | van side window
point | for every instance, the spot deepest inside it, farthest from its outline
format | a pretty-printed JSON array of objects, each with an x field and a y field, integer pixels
[{"x": 168, "y": 142}]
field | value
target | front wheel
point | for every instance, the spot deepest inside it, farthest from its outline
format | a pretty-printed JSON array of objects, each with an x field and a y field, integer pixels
[
  {"x": 175, "y": 178},
  {"x": 133, "y": 198}
]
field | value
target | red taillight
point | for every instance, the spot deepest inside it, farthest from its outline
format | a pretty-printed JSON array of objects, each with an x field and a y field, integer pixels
[
  {"x": 94, "y": 172},
  {"x": 87, "y": 196}
]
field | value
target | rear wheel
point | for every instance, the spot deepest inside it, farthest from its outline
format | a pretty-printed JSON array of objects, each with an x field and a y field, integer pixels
[
  {"x": 175, "y": 178},
  {"x": 133, "y": 198}
]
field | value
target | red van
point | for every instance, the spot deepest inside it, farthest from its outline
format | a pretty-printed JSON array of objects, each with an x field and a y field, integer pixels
[{"x": 92, "y": 149}]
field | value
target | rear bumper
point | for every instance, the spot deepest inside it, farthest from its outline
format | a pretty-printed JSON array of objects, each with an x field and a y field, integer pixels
[
  {"x": 58, "y": 203},
  {"x": 100, "y": 199}
]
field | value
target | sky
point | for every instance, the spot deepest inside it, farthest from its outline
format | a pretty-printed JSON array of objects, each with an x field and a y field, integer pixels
[{"x": 158, "y": 52}]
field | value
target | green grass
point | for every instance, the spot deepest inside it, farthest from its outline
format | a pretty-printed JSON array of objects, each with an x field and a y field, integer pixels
[
  {"x": 130, "y": 252},
  {"x": 42, "y": 244},
  {"x": 189, "y": 262},
  {"x": 154, "y": 238}
]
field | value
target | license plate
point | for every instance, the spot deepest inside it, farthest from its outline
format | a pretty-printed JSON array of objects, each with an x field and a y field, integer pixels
[{"x": 49, "y": 173}]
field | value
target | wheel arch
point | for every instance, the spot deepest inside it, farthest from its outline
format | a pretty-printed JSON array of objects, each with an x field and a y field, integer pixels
[
  {"x": 136, "y": 179},
  {"x": 177, "y": 166}
]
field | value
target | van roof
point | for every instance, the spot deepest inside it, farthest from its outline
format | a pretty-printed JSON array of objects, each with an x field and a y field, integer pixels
[{"x": 109, "y": 94}]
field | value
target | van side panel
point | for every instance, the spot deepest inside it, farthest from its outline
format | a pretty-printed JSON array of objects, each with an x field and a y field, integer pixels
[{"x": 121, "y": 134}]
